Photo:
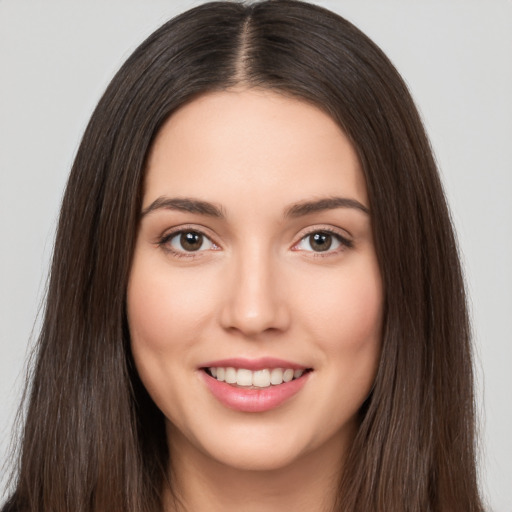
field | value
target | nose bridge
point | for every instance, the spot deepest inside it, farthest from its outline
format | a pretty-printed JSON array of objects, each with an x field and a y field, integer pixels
[{"x": 254, "y": 300}]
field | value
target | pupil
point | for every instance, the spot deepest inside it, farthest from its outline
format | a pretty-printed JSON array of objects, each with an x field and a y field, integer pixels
[
  {"x": 320, "y": 241},
  {"x": 191, "y": 241}
]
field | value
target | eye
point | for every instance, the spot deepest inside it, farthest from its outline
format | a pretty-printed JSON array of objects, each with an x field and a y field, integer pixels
[
  {"x": 187, "y": 241},
  {"x": 322, "y": 241}
]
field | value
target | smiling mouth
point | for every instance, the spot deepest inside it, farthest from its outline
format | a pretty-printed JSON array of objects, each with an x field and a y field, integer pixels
[{"x": 248, "y": 379}]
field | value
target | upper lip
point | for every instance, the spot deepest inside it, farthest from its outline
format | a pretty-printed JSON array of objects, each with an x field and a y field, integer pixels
[{"x": 253, "y": 364}]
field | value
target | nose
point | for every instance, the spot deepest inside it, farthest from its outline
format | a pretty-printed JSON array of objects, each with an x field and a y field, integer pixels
[{"x": 254, "y": 296}]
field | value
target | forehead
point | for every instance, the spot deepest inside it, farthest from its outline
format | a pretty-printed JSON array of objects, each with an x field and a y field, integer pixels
[{"x": 252, "y": 143}]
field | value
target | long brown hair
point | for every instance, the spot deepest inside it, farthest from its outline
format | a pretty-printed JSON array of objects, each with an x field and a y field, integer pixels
[{"x": 93, "y": 439}]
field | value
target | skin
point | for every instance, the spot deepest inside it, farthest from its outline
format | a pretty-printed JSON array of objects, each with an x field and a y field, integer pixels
[{"x": 259, "y": 288}]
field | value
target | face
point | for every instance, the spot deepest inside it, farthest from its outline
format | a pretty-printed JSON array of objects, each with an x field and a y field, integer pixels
[{"x": 254, "y": 301}]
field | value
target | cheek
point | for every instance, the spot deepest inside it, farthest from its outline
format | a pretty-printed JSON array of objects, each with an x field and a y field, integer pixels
[
  {"x": 164, "y": 310},
  {"x": 347, "y": 312},
  {"x": 348, "y": 323},
  {"x": 164, "y": 314}
]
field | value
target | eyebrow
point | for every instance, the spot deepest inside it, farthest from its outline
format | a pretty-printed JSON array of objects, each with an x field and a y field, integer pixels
[
  {"x": 327, "y": 203},
  {"x": 191, "y": 205},
  {"x": 184, "y": 204}
]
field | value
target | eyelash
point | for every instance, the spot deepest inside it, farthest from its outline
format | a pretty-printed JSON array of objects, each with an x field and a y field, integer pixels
[
  {"x": 163, "y": 242},
  {"x": 344, "y": 242}
]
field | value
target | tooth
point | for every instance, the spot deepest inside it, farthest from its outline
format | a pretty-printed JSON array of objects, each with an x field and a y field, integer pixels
[
  {"x": 244, "y": 377},
  {"x": 261, "y": 378},
  {"x": 288, "y": 375},
  {"x": 276, "y": 376},
  {"x": 230, "y": 375}
]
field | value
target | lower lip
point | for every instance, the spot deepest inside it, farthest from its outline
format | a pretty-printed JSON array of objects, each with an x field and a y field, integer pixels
[{"x": 254, "y": 400}]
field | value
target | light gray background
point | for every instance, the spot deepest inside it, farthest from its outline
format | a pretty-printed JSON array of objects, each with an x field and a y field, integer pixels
[{"x": 56, "y": 58}]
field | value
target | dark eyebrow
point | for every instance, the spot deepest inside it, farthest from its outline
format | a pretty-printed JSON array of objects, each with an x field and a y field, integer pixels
[
  {"x": 184, "y": 204},
  {"x": 327, "y": 203}
]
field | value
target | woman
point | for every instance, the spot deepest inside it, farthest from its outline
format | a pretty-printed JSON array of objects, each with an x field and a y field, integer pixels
[{"x": 255, "y": 297}]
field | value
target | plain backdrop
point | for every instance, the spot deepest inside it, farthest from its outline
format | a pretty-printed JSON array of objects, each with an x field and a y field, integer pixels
[{"x": 56, "y": 58}]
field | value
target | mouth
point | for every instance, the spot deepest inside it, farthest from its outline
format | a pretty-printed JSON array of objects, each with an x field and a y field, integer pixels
[
  {"x": 254, "y": 386},
  {"x": 254, "y": 379}
]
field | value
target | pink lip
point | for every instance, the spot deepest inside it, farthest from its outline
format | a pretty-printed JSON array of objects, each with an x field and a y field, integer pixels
[
  {"x": 253, "y": 400},
  {"x": 253, "y": 364}
]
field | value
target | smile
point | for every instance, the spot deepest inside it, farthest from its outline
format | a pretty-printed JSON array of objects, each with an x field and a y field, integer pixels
[
  {"x": 254, "y": 385},
  {"x": 264, "y": 378}
]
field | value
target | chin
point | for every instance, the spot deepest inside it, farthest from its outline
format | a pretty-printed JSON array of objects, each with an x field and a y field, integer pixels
[
  {"x": 256, "y": 447},
  {"x": 257, "y": 458},
  {"x": 264, "y": 447}
]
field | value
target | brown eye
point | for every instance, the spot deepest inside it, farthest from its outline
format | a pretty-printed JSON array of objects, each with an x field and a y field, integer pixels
[
  {"x": 320, "y": 242},
  {"x": 188, "y": 241},
  {"x": 191, "y": 241}
]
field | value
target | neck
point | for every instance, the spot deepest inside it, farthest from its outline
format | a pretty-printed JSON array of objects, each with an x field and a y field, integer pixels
[{"x": 200, "y": 483}]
